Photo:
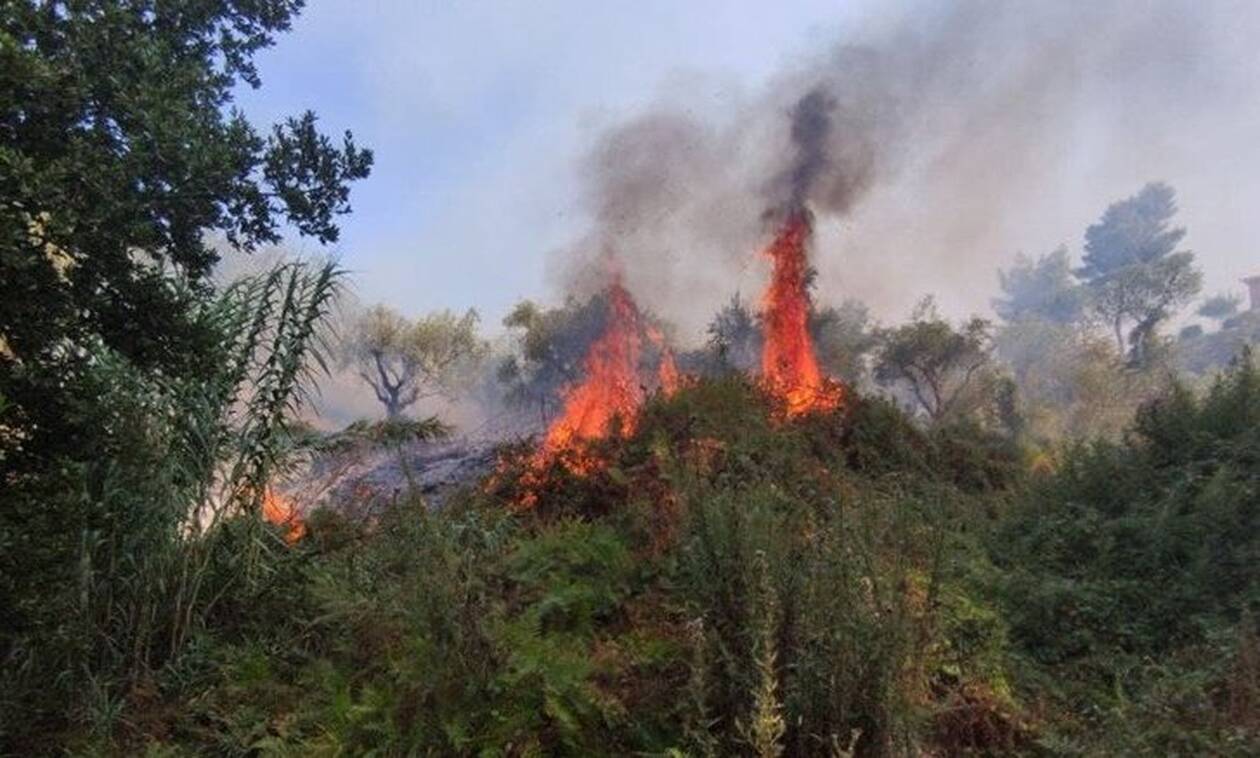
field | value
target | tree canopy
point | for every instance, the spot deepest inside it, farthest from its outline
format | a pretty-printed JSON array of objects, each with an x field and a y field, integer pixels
[
  {"x": 1039, "y": 289},
  {"x": 1220, "y": 307},
  {"x": 1132, "y": 231},
  {"x": 843, "y": 336},
  {"x": 121, "y": 157},
  {"x": 734, "y": 336},
  {"x": 936, "y": 363},
  {"x": 548, "y": 350},
  {"x": 404, "y": 361},
  {"x": 1133, "y": 272}
]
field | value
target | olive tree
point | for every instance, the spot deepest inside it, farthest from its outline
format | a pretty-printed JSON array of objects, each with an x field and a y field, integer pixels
[
  {"x": 405, "y": 361},
  {"x": 942, "y": 367}
]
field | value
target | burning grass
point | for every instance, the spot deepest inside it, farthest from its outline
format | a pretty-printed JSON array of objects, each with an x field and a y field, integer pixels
[{"x": 280, "y": 509}]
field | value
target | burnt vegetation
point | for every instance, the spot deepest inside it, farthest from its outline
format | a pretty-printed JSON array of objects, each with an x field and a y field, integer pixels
[{"x": 810, "y": 535}]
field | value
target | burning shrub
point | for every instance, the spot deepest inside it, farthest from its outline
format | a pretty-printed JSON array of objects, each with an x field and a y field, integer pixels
[
  {"x": 604, "y": 403},
  {"x": 789, "y": 365},
  {"x": 281, "y": 511}
]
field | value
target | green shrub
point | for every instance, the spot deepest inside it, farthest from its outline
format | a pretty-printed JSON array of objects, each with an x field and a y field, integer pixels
[{"x": 1130, "y": 561}]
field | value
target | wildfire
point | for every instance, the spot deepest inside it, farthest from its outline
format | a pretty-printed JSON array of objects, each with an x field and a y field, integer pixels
[
  {"x": 610, "y": 388},
  {"x": 282, "y": 512},
  {"x": 788, "y": 363},
  {"x": 667, "y": 370}
]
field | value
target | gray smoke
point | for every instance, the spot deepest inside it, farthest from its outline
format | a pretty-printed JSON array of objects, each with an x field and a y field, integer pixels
[
  {"x": 932, "y": 147},
  {"x": 811, "y": 131}
]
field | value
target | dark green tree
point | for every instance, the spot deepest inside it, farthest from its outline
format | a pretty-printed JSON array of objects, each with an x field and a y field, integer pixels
[
  {"x": 1133, "y": 273},
  {"x": 121, "y": 158},
  {"x": 131, "y": 389}
]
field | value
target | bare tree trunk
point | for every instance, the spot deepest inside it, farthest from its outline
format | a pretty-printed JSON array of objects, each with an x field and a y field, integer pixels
[{"x": 390, "y": 393}]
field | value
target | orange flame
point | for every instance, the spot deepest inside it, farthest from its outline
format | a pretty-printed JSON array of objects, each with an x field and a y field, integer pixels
[
  {"x": 282, "y": 512},
  {"x": 667, "y": 370},
  {"x": 611, "y": 388},
  {"x": 788, "y": 362}
]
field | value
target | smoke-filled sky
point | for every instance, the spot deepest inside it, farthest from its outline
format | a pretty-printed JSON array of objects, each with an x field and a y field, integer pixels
[{"x": 519, "y": 143}]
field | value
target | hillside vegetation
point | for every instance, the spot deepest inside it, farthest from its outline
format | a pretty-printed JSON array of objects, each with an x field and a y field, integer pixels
[
  {"x": 844, "y": 584},
  {"x": 811, "y": 535}
]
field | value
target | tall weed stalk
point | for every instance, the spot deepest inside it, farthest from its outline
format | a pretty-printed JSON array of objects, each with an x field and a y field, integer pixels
[{"x": 152, "y": 557}]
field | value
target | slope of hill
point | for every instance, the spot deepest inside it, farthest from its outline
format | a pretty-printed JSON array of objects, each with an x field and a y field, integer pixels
[{"x": 726, "y": 582}]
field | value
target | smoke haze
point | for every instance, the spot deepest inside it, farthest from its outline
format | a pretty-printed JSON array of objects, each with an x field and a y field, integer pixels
[{"x": 932, "y": 146}]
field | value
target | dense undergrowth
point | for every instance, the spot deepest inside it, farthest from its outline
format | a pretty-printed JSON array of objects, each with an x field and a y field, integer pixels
[
  {"x": 1133, "y": 579},
  {"x": 731, "y": 584}
]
